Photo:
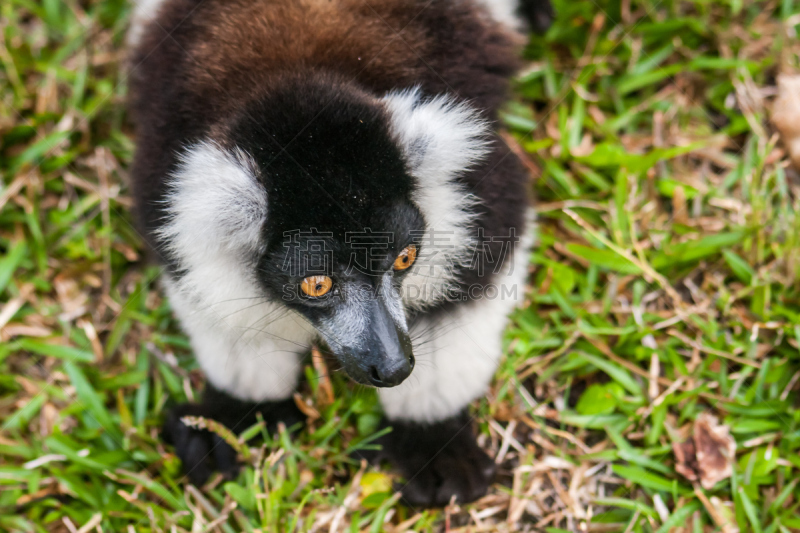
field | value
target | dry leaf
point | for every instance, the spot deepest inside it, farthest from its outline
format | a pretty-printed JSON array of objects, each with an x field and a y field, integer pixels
[
  {"x": 585, "y": 148},
  {"x": 325, "y": 395},
  {"x": 716, "y": 450},
  {"x": 680, "y": 213},
  {"x": 686, "y": 459},
  {"x": 786, "y": 114},
  {"x": 707, "y": 454},
  {"x": 306, "y": 408}
]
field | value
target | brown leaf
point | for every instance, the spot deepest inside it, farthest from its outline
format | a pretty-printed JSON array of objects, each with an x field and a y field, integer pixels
[
  {"x": 707, "y": 454},
  {"x": 716, "y": 450},
  {"x": 324, "y": 387},
  {"x": 686, "y": 459},
  {"x": 306, "y": 408},
  {"x": 786, "y": 114},
  {"x": 585, "y": 148},
  {"x": 680, "y": 212}
]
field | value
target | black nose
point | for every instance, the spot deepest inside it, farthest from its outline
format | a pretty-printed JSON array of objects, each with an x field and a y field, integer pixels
[
  {"x": 385, "y": 358},
  {"x": 391, "y": 375}
]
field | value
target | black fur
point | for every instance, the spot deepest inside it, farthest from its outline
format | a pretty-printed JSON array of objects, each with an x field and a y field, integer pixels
[
  {"x": 325, "y": 155},
  {"x": 202, "y": 452},
  {"x": 539, "y": 14},
  {"x": 438, "y": 461}
]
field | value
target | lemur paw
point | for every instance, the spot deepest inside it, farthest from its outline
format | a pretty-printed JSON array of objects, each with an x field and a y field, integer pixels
[
  {"x": 464, "y": 472},
  {"x": 202, "y": 452},
  {"x": 438, "y": 461}
]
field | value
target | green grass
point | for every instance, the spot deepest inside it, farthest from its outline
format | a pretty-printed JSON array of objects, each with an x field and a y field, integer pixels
[{"x": 664, "y": 286}]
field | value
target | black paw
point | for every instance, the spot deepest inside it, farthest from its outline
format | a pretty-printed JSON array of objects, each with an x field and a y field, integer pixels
[
  {"x": 438, "y": 461},
  {"x": 539, "y": 14},
  {"x": 238, "y": 415},
  {"x": 463, "y": 472},
  {"x": 201, "y": 452}
]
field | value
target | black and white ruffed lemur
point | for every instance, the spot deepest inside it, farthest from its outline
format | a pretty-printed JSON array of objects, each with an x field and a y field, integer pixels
[{"x": 329, "y": 170}]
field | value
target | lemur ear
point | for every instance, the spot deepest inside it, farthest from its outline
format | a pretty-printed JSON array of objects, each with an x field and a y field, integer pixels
[
  {"x": 216, "y": 205},
  {"x": 440, "y": 137}
]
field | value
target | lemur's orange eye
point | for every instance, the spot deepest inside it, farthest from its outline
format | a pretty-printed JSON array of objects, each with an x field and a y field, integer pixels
[
  {"x": 316, "y": 286},
  {"x": 406, "y": 258}
]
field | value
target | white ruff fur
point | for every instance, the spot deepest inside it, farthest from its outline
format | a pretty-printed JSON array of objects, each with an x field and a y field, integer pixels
[
  {"x": 458, "y": 354},
  {"x": 441, "y": 139},
  {"x": 246, "y": 344},
  {"x": 144, "y": 12},
  {"x": 504, "y": 11}
]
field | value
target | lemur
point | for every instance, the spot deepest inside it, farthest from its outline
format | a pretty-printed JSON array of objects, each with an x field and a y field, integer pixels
[{"x": 329, "y": 170}]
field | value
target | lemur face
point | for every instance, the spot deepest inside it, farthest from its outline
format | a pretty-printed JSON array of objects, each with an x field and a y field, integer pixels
[{"x": 349, "y": 288}]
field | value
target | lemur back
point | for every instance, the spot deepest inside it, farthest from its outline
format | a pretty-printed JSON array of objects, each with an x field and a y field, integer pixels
[{"x": 202, "y": 59}]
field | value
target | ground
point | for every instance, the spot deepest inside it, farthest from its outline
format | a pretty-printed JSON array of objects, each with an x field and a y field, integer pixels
[{"x": 662, "y": 294}]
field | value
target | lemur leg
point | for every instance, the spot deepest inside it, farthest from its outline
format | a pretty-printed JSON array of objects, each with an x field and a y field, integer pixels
[
  {"x": 252, "y": 378},
  {"x": 432, "y": 440},
  {"x": 438, "y": 460},
  {"x": 202, "y": 452},
  {"x": 252, "y": 363},
  {"x": 457, "y": 351}
]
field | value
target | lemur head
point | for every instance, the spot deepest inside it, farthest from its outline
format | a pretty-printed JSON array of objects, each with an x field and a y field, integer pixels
[{"x": 323, "y": 197}]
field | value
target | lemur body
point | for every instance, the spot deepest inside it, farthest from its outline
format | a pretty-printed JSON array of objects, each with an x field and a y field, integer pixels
[{"x": 279, "y": 141}]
